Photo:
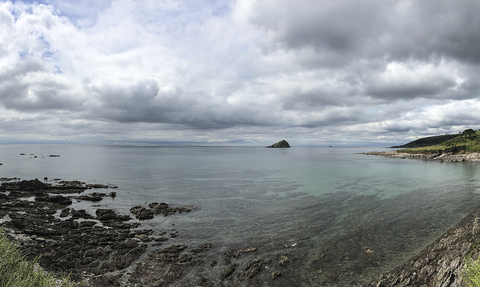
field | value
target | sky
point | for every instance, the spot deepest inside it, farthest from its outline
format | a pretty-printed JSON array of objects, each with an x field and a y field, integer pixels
[{"x": 245, "y": 72}]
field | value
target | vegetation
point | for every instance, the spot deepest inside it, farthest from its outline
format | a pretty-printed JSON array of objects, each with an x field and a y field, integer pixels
[
  {"x": 471, "y": 274},
  {"x": 280, "y": 144},
  {"x": 15, "y": 271},
  {"x": 467, "y": 141},
  {"x": 428, "y": 141}
]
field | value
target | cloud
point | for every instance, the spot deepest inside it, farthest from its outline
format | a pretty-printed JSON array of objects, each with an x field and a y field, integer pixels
[{"x": 238, "y": 71}]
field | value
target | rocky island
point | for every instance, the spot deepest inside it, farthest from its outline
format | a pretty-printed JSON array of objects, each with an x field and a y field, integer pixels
[{"x": 280, "y": 144}]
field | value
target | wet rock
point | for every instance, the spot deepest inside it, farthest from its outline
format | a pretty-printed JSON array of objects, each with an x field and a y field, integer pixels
[
  {"x": 202, "y": 248},
  {"x": 236, "y": 253},
  {"x": 141, "y": 212},
  {"x": 88, "y": 198},
  {"x": 283, "y": 261},
  {"x": 228, "y": 272},
  {"x": 82, "y": 213},
  {"x": 109, "y": 214},
  {"x": 276, "y": 274},
  {"x": 161, "y": 267},
  {"x": 165, "y": 210},
  {"x": 96, "y": 185},
  {"x": 253, "y": 267},
  {"x": 59, "y": 199},
  {"x": 65, "y": 212}
]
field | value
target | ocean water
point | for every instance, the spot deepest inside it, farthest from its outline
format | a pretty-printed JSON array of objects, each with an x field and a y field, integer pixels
[{"x": 340, "y": 217}]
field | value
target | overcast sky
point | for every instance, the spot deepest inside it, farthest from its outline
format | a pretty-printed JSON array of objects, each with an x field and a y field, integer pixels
[{"x": 240, "y": 72}]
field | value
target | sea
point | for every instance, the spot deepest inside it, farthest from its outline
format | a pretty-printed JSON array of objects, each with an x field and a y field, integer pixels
[{"x": 338, "y": 216}]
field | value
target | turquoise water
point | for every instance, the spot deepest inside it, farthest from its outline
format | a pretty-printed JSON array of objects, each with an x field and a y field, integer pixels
[{"x": 304, "y": 201}]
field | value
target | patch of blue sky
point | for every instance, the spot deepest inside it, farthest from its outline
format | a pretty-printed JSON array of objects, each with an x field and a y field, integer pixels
[
  {"x": 23, "y": 53},
  {"x": 48, "y": 54},
  {"x": 221, "y": 8},
  {"x": 57, "y": 70}
]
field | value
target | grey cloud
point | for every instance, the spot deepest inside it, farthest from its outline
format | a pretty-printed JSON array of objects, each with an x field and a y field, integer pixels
[
  {"x": 410, "y": 90},
  {"x": 349, "y": 30}
]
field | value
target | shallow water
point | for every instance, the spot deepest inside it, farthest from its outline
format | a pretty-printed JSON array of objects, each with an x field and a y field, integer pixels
[{"x": 329, "y": 207}]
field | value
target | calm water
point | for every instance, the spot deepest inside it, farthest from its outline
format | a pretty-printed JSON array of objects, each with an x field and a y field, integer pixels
[{"x": 325, "y": 206}]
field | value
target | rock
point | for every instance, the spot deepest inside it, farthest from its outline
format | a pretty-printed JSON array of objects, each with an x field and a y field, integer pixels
[
  {"x": 82, "y": 213},
  {"x": 65, "y": 212},
  {"x": 88, "y": 198},
  {"x": 280, "y": 144},
  {"x": 141, "y": 212},
  {"x": 236, "y": 253},
  {"x": 254, "y": 267},
  {"x": 165, "y": 210},
  {"x": 228, "y": 272},
  {"x": 162, "y": 267},
  {"x": 276, "y": 274},
  {"x": 109, "y": 214},
  {"x": 59, "y": 199}
]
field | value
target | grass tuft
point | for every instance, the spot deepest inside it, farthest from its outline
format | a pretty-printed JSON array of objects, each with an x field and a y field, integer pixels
[
  {"x": 16, "y": 271},
  {"x": 471, "y": 273}
]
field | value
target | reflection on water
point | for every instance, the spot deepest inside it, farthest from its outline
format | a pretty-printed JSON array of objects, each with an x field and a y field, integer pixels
[{"x": 339, "y": 217}]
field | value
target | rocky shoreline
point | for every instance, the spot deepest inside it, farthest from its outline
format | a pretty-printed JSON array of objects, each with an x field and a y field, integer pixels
[
  {"x": 441, "y": 157},
  {"x": 110, "y": 249},
  {"x": 440, "y": 264}
]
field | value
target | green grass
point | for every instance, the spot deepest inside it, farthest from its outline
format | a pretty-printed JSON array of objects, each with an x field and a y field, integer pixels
[
  {"x": 471, "y": 274},
  {"x": 15, "y": 271},
  {"x": 468, "y": 141}
]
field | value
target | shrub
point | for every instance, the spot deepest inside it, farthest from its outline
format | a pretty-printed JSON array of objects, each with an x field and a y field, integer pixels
[
  {"x": 15, "y": 271},
  {"x": 471, "y": 274}
]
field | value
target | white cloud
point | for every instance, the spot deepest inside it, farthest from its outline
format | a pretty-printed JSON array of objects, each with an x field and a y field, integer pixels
[{"x": 238, "y": 71}]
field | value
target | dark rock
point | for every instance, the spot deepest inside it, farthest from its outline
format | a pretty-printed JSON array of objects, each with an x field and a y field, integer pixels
[
  {"x": 202, "y": 248},
  {"x": 228, "y": 272},
  {"x": 254, "y": 267},
  {"x": 82, "y": 213},
  {"x": 162, "y": 267},
  {"x": 59, "y": 199},
  {"x": 109, "y": 214},
  {"x": 96, "y": 185},
  {"x": 276, "y": 274},
  {"x": 88, "y": 198},
  {"x": 280, "y": 144},
  {"x": 156, "y": 205},
  {"x": 141, "y": 212},
  {"x": 236, "y": 253}
]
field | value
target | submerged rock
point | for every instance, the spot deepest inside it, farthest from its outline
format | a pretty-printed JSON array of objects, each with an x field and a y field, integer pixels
[{"x": 280, "y": 144}]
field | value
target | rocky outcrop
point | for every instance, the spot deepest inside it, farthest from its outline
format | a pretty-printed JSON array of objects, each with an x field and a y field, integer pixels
[
  {"x": 95, "y": 250},
  {"x": 280, "y": 144}
]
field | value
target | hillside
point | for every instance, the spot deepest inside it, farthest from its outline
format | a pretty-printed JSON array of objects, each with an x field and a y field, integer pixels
[
  {"x": 428, "y": 141},
  {"x": 467, "y": 141}
]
